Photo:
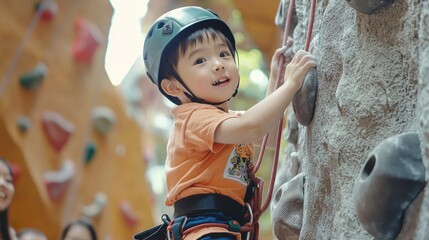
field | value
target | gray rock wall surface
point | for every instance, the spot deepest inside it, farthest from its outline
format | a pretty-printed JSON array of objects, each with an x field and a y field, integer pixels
[{"x": 373, "y": 83}]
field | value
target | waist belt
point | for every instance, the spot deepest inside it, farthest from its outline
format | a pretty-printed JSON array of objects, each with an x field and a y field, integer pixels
[{"x": 202, "y": 203}]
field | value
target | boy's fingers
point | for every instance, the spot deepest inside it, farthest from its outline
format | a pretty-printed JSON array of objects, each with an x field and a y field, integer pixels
[
  {"x": 298, "y": 56},
  {"x": 289, "y": 42}
]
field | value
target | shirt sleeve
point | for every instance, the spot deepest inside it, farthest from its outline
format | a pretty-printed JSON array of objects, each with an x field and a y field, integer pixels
[{"x": 200, "y": 128}]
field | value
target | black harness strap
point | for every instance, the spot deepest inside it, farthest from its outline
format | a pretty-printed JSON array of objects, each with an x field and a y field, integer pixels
[{"x": 202, "y": 203}]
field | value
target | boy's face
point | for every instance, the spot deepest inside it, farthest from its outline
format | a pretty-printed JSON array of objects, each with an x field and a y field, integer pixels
[{"x": 209, "y": 70}]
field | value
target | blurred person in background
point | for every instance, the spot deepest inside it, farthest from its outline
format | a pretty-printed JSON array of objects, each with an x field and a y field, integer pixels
[
  {"x": 31, "y": 234},
  {"x": 79, "y": 230},
  {"x": 7, "y": 192}
]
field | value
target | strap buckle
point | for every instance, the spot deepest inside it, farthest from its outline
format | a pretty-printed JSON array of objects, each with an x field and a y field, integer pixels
[{"x": 249, "y": 209}]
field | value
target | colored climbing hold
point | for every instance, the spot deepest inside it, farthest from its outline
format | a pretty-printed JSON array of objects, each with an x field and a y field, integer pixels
[
  {"x": 57, "y": 129},
  {"x": 90, "y": 150},
  {"x": 23, "y": 123},
  {"x": 56, "y": 182},
  {"x": 103, "y": 119},
  {"x": 129, "y": 215},
  {"x": 86, "y": 41},
  {"x": 95, "y": 208},
  {"x": 33, "y": 78},
  {"x": 391, "y": 178},
  {"x": 16, "y": 171},
  {"x": 368, "y": 6},
  {"x": 304, "y": 100},
  {"x": 48, "y": 7}
]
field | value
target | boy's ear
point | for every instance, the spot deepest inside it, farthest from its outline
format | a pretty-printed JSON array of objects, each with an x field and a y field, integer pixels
[{"x": 171, "y": 87}]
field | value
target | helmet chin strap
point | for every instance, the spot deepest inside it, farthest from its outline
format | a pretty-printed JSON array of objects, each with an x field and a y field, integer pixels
[{"x": 191, "y": 96}]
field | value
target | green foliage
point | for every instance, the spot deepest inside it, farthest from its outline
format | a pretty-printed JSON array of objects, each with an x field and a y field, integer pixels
[{"x": 251, "y": 89}]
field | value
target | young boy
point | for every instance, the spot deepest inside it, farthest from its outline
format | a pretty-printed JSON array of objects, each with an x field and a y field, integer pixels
[{"x": 189, "y": 53}]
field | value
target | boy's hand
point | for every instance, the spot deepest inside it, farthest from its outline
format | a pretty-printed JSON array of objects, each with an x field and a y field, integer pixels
[
  {"x": 278, "y": 55},
  {"x": 298, "y": 68}
]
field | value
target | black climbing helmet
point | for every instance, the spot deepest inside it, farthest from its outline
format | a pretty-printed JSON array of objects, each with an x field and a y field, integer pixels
[{"x": 171, "y": 28}]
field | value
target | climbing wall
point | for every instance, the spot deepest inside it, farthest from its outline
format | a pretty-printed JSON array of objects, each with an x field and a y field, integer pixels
[
  {"x": 358, "y": 169},
  {"x": 63, "y": 126}
]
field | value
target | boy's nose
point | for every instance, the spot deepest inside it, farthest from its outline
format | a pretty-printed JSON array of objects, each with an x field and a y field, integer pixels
[{"x": 219, "y": 66}]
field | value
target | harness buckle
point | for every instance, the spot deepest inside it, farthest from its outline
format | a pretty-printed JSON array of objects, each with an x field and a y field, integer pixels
[{"x": 249, "y": 208}]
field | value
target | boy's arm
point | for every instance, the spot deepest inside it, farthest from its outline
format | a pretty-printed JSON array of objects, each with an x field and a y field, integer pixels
[
  {"x": 252, "y": 125},
  {"x": 275, "y": 70}
]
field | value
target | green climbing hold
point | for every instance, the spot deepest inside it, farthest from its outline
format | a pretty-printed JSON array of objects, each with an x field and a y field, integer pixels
[
  {"x": 89, "y": 152},
  {"x": 33, "y": 78}
]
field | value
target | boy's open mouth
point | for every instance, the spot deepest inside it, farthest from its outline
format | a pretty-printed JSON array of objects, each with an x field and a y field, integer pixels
[{"x": 220, "y": 81}]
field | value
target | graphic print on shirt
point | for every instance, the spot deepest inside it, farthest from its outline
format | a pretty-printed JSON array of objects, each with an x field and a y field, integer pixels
[{"x": 236, "y": 167}]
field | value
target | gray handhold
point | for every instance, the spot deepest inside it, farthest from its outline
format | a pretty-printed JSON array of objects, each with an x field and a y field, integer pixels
[
  {"x": 294, "y": 164},
  {"x": 103, "y": 119},
  {"x": 291, "y": 131},
  {"x": 304, "y": 100},
  {"x": 287, "y": 209},
  {"x": 23, "y": 123},
  {"x": 282, "y": 11},
  {"x": 368, "y": 6},
  {"x": 391, "y": 178}
]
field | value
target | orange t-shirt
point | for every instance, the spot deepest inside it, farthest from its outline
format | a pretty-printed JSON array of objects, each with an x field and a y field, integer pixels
[{"x": 195, "y": 164}]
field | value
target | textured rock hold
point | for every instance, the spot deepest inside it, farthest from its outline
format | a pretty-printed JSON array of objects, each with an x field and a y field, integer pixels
[
  {"x": 368, "y": 6},
  {"x": 391, "y": 178},
  {"x": 287, "y": 209},
  {"x": 304, "y": 101},
  {"x": 282, "y": 11}
]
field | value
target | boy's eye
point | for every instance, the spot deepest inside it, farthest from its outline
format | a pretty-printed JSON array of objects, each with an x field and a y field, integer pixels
[
  {"x": 225, "y": 54},
  {"x": 199, "y": 61}
]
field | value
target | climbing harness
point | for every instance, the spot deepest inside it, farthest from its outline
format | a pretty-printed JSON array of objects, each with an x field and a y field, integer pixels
[{"x": 188, "y": 207}]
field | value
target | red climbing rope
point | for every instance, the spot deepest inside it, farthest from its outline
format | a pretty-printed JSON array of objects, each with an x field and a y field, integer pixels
[
  {"x": 310, "y": 25},
  {"x": 258, "y": 182}
]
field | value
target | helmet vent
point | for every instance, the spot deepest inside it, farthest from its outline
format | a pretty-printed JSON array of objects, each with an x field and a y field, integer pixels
[
  {"x": 149, "y": 34},
  {"x": 160, "y": 25}
]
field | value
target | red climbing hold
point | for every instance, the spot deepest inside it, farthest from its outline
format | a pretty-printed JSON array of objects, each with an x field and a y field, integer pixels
[
  {"x": 86, "y": 41},
  {"x": 16, "y": 171},
  {"x": 56, "y": 182},
  {"x": 57, "y": 128},
  {"x": 48, "y": 9}
]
